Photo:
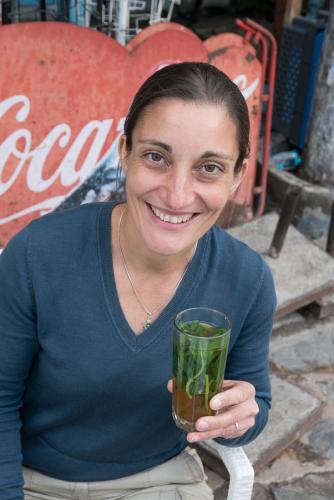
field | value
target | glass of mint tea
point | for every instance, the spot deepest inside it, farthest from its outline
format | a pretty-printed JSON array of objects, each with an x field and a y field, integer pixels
[{"x": 200, "y": 343}]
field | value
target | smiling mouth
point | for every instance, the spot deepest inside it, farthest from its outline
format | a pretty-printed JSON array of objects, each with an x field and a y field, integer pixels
[{"x": 172, "y": 219}]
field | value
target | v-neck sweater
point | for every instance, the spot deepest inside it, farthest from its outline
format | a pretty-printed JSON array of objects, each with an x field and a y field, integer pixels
[{"x": 82, "y": 398}]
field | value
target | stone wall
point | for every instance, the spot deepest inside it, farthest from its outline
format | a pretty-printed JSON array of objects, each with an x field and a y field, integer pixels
[{"x": 319, "y": 161}]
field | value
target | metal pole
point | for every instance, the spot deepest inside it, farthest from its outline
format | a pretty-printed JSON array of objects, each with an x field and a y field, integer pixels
[
  {"x": 153, "y": 11},
  {"x": 123, "y": 21}
]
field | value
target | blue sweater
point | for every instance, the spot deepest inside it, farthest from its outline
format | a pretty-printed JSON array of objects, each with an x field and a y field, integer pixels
[{"x": 82, "y": 398}]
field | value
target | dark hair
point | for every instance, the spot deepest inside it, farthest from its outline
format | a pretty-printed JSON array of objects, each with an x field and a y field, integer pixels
[{"x": 194, "y": 82}]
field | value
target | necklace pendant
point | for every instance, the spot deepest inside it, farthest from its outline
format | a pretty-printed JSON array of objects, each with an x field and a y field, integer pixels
[{"x": 148, "y": 321}]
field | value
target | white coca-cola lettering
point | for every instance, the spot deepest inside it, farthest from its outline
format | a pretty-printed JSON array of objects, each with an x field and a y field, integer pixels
[
  {"x": 68, "y": 172},
  {"x": 22, "y": 112},
  {"x": 60, "y": 134},
  {"x": 67, "y": 167},
  {"x": 8, "y": 148}
]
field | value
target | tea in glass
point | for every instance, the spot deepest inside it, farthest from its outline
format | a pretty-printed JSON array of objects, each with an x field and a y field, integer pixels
[{"x": 200, "y": 344}]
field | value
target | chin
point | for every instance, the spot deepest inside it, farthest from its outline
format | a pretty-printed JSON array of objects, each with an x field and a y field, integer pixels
[{"x": 163, "y": 249}]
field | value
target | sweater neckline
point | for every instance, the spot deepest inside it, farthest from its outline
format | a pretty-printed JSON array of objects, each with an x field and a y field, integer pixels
[{"x": 164, "y": 322}]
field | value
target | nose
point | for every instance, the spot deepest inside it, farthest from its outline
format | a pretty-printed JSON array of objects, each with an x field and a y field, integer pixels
[{"x": 179, "y": 188}]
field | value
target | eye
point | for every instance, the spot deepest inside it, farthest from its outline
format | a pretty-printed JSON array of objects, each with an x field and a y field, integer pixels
[
  {"x": 155, "y": 157},
  {"x": 211, "y": 169}
]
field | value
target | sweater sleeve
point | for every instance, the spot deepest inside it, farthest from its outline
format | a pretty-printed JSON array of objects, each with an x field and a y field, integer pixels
[
  {"x": 249, "y": 356},
  {"x": 18, "y": 346}
]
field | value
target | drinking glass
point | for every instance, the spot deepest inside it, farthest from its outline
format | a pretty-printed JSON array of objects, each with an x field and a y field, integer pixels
[{"x": 200, "y": 343}]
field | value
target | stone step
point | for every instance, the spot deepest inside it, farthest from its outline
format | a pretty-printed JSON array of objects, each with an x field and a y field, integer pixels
[
  {"x": 303, "y": 272},
  {"x": 294, "y": 411},
  {"x": 310, "y": 348},
  {"x": 288, "y": 323},
  {"x": 307, "y": 466}
]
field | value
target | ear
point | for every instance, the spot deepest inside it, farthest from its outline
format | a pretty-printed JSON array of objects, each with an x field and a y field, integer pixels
[
  {"x": 239, "y": 177},
  {"x": 123, "y": 152}
]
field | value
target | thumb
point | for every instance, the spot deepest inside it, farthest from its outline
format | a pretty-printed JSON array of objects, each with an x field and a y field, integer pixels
[{"x": 170, "y": 385}]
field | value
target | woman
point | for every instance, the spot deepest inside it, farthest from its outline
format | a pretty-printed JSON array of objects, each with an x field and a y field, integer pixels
[{"x": 88, "y": 297}]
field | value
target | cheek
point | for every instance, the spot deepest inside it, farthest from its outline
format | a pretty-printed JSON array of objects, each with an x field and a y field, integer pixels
[
  {"x": 137, "y": 179},
  {"x": 216, "y": 196}
]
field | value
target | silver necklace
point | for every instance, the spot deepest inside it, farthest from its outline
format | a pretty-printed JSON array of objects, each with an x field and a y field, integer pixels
[{"x": 149, "y": 313}]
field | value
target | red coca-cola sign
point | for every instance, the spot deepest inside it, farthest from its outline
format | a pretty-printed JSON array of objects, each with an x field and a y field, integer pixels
[{"x": 64, "y": 93}]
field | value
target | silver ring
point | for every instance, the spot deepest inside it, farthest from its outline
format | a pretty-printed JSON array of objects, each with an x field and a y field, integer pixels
[{"x": 236, "y": 427}]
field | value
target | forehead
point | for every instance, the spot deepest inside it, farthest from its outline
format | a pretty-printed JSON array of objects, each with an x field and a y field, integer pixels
[{"x": 178, "y": 122}]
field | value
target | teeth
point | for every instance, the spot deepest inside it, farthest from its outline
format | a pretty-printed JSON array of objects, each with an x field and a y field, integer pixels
[{"x": 173, "y": 219}]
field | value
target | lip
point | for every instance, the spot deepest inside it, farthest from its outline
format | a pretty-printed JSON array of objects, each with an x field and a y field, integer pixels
[
  {"x": 170, "y": 225},
  {"x": 170, "y": 212}
]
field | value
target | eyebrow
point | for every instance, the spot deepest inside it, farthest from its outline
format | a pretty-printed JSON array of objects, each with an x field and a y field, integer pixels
[
  {"x": 206, "y": 154},
  {"x": 210, "y": 154},
  {"x": 156, "y": 143}
]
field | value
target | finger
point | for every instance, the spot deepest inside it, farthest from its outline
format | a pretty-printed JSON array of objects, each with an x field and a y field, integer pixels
[
  {"x": 228, "y": 433},
  {"x": 205, "y": 436},
  {"x": 228, "y": 418},
  {"x": 235, "y": 394},
  {"x": 170, "y": 385},
  {"x": 239, "y": 429},
  {"x": 228, "y": 383},
  {"x": 197, "y": 437}
]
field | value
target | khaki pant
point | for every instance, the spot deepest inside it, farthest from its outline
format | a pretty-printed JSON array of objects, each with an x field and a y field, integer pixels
[{"x": 180, "y": 478}]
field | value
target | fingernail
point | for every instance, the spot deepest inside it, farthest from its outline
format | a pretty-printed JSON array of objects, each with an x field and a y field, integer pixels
[
  {"x": 192, "y": 439},
  {"x": 216, "y": 404},
  {"x": 202, "y": 425}
]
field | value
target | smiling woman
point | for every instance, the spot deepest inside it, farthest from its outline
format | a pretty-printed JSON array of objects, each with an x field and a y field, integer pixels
[{"x": 88, "y": 297}]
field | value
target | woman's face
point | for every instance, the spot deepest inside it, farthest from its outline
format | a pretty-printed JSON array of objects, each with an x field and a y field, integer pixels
[{"x": 179, "y": 173}]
